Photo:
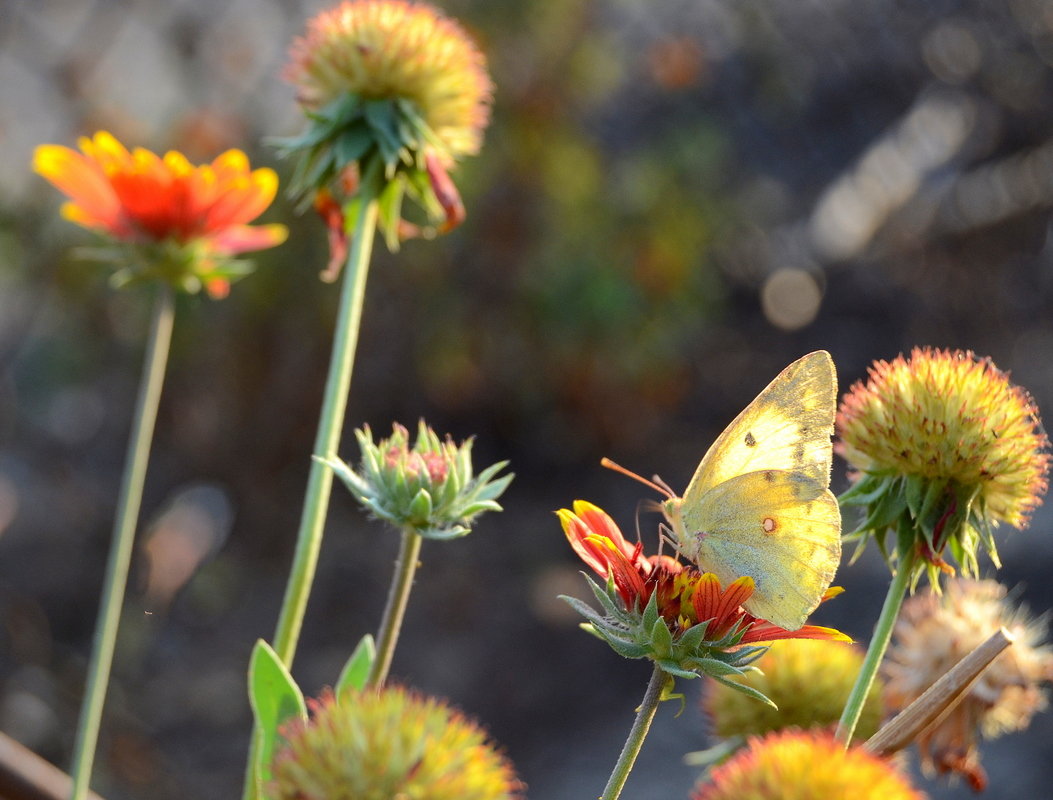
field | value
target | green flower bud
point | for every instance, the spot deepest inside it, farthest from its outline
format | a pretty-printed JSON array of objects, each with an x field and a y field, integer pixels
[{"x": 429, "y": 487}]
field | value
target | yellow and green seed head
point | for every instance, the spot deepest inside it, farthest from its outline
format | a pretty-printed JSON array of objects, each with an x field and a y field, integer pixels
[
  {"x": 379, "y": 745},
  {"x": 804, "y": 765}
]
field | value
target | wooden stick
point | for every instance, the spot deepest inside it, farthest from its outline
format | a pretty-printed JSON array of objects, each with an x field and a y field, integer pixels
[
  {"x": 26, "y": 776},
  {"x": 939, "y": 698}
]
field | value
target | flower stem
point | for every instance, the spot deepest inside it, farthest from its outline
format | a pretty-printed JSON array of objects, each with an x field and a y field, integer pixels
[
  {"x": 878, "y": 645},
  {"x": 641, "y": 725},
  {"x": 395, "y": 609},
  {"x": 330, "y": 427},
  {"x": 128, "y": 504}
]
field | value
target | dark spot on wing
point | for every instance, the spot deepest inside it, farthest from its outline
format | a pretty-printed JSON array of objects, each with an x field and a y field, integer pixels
[
  {"x": 769, "y": 476},
  {"x": 769, "y": 525},
  {"x": 798, "y": 453},
  {"x": 750, "y": 439}
]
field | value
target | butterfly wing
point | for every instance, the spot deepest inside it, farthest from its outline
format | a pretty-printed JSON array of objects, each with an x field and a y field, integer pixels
[
  {"x": 787, "y": 427},
  {"x": 781, "y": 528}
]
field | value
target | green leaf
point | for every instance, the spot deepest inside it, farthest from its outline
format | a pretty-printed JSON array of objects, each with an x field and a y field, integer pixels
[
  {"x": 356, "y": 671},
  {"x": 275, "y": 698}
]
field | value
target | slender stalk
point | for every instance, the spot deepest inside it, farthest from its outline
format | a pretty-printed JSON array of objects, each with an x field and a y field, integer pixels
[
  {"x": 395, "y": 609},
  {"x": 878, "y": 645},
  {"x": 641, "y": 725},
  {"x": 128, "y": 505},
  {"x": 330, "y": 427}
]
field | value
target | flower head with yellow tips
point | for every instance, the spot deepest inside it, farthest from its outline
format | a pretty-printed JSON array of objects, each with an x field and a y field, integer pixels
[
  {"x": 395, "y": 93},
  {"x": 377, "y": 745},
  {"x": 805, "y": 765},
  {"x": 677, "y": 616},
  {"x": 943, "y": 447},
  {"x": 170, "y": 219}
]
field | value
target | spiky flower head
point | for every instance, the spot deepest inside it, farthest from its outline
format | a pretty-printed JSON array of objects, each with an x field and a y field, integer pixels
[
  {"x": 809, "y": 681},
  {"x": 430, "y": 487},
  {"x": 943, "y": 448},
  {"x": 805, "y": 765},
  {"x": 168, "y": 219},
  {"x": 933, "y": 634},
  {"x": 378, "y": 745},
  {"x": 395, "y": 93},
  {"x": 658, "y": 608}
]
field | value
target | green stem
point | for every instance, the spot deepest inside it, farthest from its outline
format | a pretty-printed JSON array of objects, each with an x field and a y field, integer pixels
[
  {"x": 395, "y": 610},
  {"x": 878, "y": 645},
  {"x": 641, "y": 725},
  {"x": 128, "y": 505},
  {"x": 330, "y": 427}
]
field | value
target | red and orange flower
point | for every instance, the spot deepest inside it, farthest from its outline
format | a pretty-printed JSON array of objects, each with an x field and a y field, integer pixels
[
  {"x": 183, "y": 223},
  {"x": 701, "y": 619}
]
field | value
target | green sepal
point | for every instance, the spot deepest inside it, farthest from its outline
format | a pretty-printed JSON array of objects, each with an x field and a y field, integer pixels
[
  {"x": 714, "y": 667},
  {"x": 915, "y": 494},
  {"x": 693, "y": 637},
  {"x": 869, "y": 487},
  {"x": 650, "y": 614},
  {"x": 420, "y": 506},
  {"x": 274, "y": 698},
  {"x": 661, "y": 639},
  {"x": 888, "y": 507},
  {"x": 672, "y": 668},
  {"x": 935, "y": 490},
  {"x": 356, "y": 671},
  {"x": 389, "y": 210},
  {"x": 583, "y": 608},
  {"x": 746, "y": 690}
]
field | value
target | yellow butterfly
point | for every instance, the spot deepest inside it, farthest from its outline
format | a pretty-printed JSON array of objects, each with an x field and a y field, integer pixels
[{"x": 759, "y": 504}]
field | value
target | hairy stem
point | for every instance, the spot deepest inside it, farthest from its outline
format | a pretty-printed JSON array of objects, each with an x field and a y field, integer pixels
[
  {"x": 395, "y": 609},
  {"x": 641, "y": 725}
]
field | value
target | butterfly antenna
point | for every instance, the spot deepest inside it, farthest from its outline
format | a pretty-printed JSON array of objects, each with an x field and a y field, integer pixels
[{"x": 658, "y": 487}]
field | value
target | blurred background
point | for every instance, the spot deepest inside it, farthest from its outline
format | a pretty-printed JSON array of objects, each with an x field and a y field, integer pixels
[{"x": 674, "y": 201}]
